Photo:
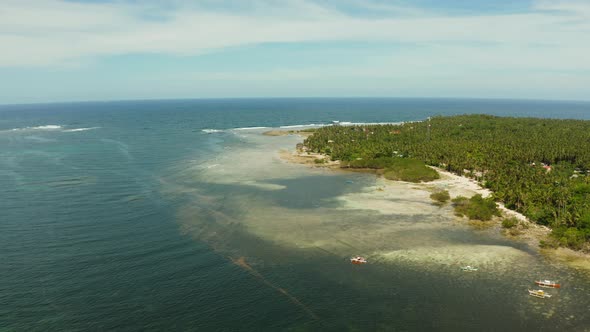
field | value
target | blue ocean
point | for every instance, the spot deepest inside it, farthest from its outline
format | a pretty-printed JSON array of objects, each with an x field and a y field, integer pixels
[{"x": 180, "y": 215}]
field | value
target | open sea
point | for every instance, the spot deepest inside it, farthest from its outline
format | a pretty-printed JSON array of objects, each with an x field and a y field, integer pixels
[{"x": 179, "y": 215}]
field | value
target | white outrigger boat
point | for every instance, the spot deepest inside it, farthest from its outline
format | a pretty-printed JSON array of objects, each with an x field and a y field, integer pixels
[
  {"x": 358, "y": 260},
  {"x": 468, "y": 268},
  {"x": 547, "y": 284},
  {"x": 539, "y": 293}
]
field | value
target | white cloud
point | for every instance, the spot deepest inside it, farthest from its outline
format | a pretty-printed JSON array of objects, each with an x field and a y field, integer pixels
[
  {"x": 51, "y": 32},
  {"x": 575, "y": 7}
]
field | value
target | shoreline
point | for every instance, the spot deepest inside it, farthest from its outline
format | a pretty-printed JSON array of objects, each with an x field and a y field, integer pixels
[{"x": 526, "y": 231}]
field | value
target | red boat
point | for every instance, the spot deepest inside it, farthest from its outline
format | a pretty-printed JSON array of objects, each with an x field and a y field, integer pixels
[
  {"x": 547, "y": 284},
  {"x": 358, "y": 260}
]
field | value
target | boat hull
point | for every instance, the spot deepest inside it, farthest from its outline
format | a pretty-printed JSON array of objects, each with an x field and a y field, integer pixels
[
  {"x": 547, "y": 285},
  {"x": 539, "y": 294},
  {"x": 358, "y": 260},
  {"x": 468, "y": 268}
]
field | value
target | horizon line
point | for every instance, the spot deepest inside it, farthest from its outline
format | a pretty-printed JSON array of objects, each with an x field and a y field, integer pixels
[{"x": 298, "y": 97}]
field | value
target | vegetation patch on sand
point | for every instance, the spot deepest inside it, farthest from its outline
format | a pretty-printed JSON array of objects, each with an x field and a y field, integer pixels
[
  {"x": 476, "y": 207},
  {"x": 510, "y": 222},
  {"x": 399, "y": 169},
  {"x": 567, "y": 237},
  {"x": 440, "y": 197}
]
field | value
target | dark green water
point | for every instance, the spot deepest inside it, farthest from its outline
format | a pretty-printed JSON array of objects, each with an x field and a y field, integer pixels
[{"x": 128, "y": 216}]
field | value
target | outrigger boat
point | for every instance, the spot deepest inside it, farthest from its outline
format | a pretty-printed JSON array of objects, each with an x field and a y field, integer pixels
[
  {"x": 358, "y": 260},
  {"x": 547, "y": 284},
  {"x": 539, "y": 293},
  {"x": 468, "y": 268}
]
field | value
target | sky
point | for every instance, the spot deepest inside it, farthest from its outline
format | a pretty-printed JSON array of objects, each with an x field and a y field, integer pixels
[{"x": 57, "y": 50}]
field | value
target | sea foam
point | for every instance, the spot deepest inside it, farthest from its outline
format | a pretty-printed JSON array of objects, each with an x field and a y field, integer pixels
[
  {"x": 250, "y": 128},
  {"x": 304, "y": 125},
  {"x": 344, "y": 123},
  {"x": 46, "y": 127},
  {"x": 79, "y": 129}
]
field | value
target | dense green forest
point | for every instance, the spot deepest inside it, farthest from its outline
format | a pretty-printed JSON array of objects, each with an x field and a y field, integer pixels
[{"x": 539, "y": 167}]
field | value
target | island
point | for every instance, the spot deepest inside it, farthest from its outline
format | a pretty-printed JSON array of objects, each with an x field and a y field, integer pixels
[{"x": 539, "y": 168}]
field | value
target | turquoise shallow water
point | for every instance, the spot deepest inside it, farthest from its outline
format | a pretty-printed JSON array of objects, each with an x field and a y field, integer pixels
[{"x": 127, "y": 215}]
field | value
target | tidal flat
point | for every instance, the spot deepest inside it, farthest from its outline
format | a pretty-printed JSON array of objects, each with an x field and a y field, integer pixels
[{"x": 293, "y": 228}]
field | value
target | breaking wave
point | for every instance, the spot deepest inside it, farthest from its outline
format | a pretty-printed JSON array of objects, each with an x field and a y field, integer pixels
[
  {"x": 368, "y": 123},
  {"x": 46, "y": 127},
  {"x": 307, "y": 125},
  {"x": 250, "y": 128},
  {"x": 49, "y": 128},
  {"x": 79, "y": 129},
  {"x": 341, "y": 123}
]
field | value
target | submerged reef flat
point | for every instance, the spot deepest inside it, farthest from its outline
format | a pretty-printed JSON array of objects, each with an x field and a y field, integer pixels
[
  {"x": 254, "y": 161},
  {"x": 305, "y": 208},
  {"x": 491, "y": 257}
]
